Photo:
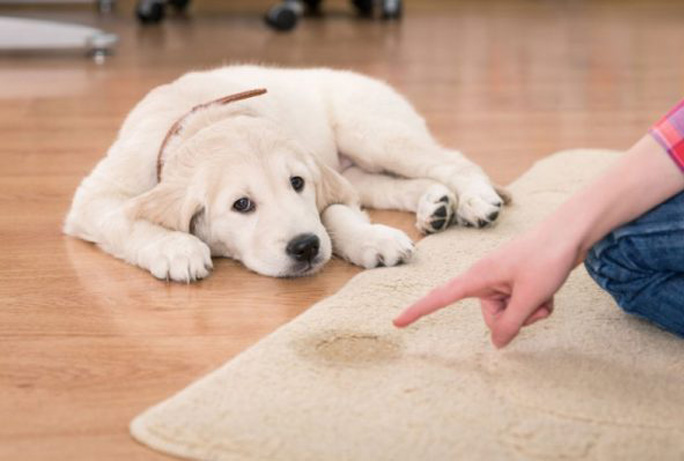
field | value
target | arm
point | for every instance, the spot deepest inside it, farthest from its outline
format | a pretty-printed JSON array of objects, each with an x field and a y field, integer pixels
[
  {"x": 642, "y": 179},
  {"x": 517, "y": 282}
]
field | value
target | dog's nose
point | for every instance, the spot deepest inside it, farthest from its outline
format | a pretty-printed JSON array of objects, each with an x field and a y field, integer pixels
[{"x": 303, "y": 247}]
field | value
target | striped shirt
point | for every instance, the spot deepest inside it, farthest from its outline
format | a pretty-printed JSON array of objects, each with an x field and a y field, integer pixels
[{"x": 669, "y": 132}]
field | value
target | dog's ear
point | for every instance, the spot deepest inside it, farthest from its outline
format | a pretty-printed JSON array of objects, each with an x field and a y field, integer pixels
[
  {"x": 332, "y": 188},
  {"x": 168, "y": 205}
]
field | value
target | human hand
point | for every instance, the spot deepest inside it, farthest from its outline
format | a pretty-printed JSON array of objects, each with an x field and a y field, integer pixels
[{"x": 515, "y": 284}]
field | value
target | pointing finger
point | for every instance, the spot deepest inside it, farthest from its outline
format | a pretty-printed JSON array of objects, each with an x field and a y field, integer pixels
[{"x": 461, "y": 287}]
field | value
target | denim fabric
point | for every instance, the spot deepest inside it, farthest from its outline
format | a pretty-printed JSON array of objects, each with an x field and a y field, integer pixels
[{"x": 641, "y": 264}]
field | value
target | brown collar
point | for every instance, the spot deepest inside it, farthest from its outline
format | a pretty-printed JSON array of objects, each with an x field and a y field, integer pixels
[{"x": 178, "y": 126}]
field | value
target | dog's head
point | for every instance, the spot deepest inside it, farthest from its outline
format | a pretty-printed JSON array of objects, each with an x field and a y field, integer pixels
[{"x": 251, "y": 193}]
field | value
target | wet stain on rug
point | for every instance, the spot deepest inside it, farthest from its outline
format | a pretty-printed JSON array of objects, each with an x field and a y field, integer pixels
[{"x": 349, "y": 349}]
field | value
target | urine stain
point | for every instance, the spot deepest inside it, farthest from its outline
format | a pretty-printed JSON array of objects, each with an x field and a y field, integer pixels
[{"x": 351, "y": 349}]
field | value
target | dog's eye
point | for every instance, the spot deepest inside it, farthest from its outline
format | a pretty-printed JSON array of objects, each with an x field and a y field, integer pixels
[
  {"x": 243, "y": 205},
  {"x": 297, "y": 183}
]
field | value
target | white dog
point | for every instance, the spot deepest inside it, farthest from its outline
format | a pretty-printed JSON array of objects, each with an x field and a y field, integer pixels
[{"x": 274, "y": 180}]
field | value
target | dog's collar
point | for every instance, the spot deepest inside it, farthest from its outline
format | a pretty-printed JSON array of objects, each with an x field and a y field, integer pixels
[{"x": 177, "y": 127}]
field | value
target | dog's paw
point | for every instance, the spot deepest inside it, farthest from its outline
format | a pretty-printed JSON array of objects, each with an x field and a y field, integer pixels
[
  {"x": 382, "y": 246},
  {"x": 478, "y": 206},
  {"x": 435, "y": 209},
  {"x": 179, "y": 257}
]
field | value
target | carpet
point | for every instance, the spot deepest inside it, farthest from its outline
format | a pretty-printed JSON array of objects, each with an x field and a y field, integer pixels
[{"x": 341, "y": 383}]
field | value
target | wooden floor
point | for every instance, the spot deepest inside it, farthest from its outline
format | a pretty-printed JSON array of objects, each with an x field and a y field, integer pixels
[{"x": 87, "y": 342}]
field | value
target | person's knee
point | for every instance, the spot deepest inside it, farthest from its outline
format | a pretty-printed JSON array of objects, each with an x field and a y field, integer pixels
[
  {"x": 652, "y": 295},
  {"x": 615, "y": 266}
]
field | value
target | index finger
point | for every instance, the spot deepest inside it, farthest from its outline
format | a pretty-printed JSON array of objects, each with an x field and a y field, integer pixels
[{"x": 464, "y": 286}]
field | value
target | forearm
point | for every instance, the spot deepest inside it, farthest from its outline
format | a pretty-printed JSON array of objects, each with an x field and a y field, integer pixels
[{"x": 643, "y": 178}]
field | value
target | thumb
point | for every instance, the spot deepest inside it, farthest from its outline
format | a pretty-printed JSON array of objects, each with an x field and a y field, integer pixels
[{"x": 507, "y": 326}]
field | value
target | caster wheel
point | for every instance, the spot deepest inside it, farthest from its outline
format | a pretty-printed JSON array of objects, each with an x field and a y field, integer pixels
[
  {"x": 179, "y": 5},
  {"x": 99, "y": 56},
  {"x": 100, "y": 46},
  {"x": 150, "y": 11},
  {"x": 391, "y": 9},
  {"x": 364, "y": 7},
  {"x": 282, "y": 17},
  {"x": 313, "y": 7}
]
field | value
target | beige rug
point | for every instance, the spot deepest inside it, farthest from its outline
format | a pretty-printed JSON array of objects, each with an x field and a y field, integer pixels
[{"x": 341, "y": 383}]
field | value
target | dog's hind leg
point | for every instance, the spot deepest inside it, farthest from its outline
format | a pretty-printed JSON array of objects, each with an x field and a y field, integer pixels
[
  {"x": 393, "y": 147},
  {"x": 432, "y": 202},
  {"x": 380, "y": 132},
  {"x": 401, "y": 150}
]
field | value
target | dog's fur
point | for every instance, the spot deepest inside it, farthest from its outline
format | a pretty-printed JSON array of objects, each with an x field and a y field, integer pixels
[{"x": 353, "y": 140}]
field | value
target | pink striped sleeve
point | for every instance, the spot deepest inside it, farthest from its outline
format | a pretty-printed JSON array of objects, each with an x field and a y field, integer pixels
[{"x": 669, "y": 132}]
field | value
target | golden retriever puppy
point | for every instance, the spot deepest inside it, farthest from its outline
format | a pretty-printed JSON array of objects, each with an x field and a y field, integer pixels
[{"x": 276, "y": 179}]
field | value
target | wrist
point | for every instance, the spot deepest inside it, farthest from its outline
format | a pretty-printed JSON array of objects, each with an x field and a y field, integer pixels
[{"x": 570, "y": 229}]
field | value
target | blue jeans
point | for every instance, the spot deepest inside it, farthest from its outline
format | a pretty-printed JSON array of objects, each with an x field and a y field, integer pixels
[{"x": 641, "y": 264}]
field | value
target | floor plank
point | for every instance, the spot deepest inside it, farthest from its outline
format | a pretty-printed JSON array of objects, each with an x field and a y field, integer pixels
[{"x": 87, "y": 342}]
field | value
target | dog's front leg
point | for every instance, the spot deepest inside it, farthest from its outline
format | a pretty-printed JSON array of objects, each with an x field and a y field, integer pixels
[
  {"x": 358, "y": 241},
  {"x": 166, "y": 254}
]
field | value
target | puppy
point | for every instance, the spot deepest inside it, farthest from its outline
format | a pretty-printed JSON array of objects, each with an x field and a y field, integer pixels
[{"x": 276, "y": 179}]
